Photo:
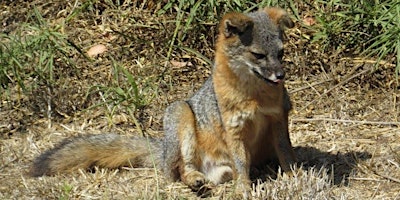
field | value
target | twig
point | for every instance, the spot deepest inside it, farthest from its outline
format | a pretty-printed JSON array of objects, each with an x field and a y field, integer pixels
[
  {"x": 346, "y": 121},
  {"x": 365, "y": 179},
  {"x": 309, "y": 86},
  {"x": 387, "y": 177},
  {"x": 336, "y": 86},
  {"x": 370, "y": 168},
  {"x": 369, "y": 61}
]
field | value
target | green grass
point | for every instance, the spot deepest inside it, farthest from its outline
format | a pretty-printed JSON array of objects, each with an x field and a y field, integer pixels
[
  {"x": 368, "y": 28},
  {"x": 27, "y": 58},
  {"x": 66, "y": 191},
  {"x": 123, "y": 93}
]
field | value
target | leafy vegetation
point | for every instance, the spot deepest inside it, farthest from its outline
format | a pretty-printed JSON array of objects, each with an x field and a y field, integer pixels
[
  {"x": 370, "y": 28},
  {"x": 27, "y": 58},
  {"x": 123, "y": 93}
]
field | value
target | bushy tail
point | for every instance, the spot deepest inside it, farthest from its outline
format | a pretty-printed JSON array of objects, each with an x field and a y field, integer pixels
[{"x": 104, "y": 150}]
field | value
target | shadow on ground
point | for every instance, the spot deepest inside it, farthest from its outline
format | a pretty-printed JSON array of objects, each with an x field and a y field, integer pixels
[{"x": 342, "y": 165}]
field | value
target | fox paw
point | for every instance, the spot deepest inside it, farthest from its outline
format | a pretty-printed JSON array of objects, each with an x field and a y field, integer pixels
[
  {"x": 195, "y": 180},
  {"x": 243, "y": 190}
]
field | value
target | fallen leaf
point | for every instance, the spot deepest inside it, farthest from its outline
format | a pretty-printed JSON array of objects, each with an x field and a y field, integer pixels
[
  {"x": 181, "y": 64},
  {"x": 309, "y": 21},
  {"x": 96, "y": 50}
]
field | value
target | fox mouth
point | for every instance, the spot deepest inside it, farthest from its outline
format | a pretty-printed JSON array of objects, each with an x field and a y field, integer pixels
[{"x": 276, "y": 81}]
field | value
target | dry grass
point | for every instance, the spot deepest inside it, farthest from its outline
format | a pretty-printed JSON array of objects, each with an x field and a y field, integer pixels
[{"x": 345, "y": 122}]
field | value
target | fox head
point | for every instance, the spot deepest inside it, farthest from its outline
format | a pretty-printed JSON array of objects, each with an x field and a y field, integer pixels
[{"x": 252, "y": 43}]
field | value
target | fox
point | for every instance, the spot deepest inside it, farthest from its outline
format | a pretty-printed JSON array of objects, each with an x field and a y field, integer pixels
[{"x": 237, "y": 120}]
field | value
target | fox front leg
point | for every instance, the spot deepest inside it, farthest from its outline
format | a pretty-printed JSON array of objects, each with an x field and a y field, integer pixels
[
  {"x": 241, "y": 159},
  {"x": 283, "y": 147}
]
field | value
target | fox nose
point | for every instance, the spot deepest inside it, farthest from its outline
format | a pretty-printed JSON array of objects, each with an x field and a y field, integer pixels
[{"x": 280, "y": 75}]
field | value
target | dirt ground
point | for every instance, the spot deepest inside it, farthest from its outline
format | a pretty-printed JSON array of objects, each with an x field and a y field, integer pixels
[{"x": 344, "y": 125}]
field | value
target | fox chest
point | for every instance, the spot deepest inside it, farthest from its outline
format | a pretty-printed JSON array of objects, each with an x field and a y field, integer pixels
[
  {"x": 241, "y": 122},
  {"x": 252, "y": 126},
  {"x": 238, "y": 119},
  {"x": 242, "y": 118}
]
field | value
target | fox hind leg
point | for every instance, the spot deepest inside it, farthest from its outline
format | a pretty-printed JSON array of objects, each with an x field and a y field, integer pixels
[{"x": 180, "y": 132}]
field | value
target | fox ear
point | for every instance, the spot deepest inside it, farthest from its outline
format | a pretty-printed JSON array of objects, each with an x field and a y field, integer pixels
[
  {"x": 279, "y": 17},
  {"x": 234, "y": 24}
]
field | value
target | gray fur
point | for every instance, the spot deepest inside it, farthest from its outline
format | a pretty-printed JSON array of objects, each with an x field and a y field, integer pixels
[{"x": 204, "y": 104}]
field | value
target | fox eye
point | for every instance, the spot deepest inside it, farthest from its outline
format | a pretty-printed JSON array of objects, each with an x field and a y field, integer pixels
[{"x": 258, "y": 55}]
